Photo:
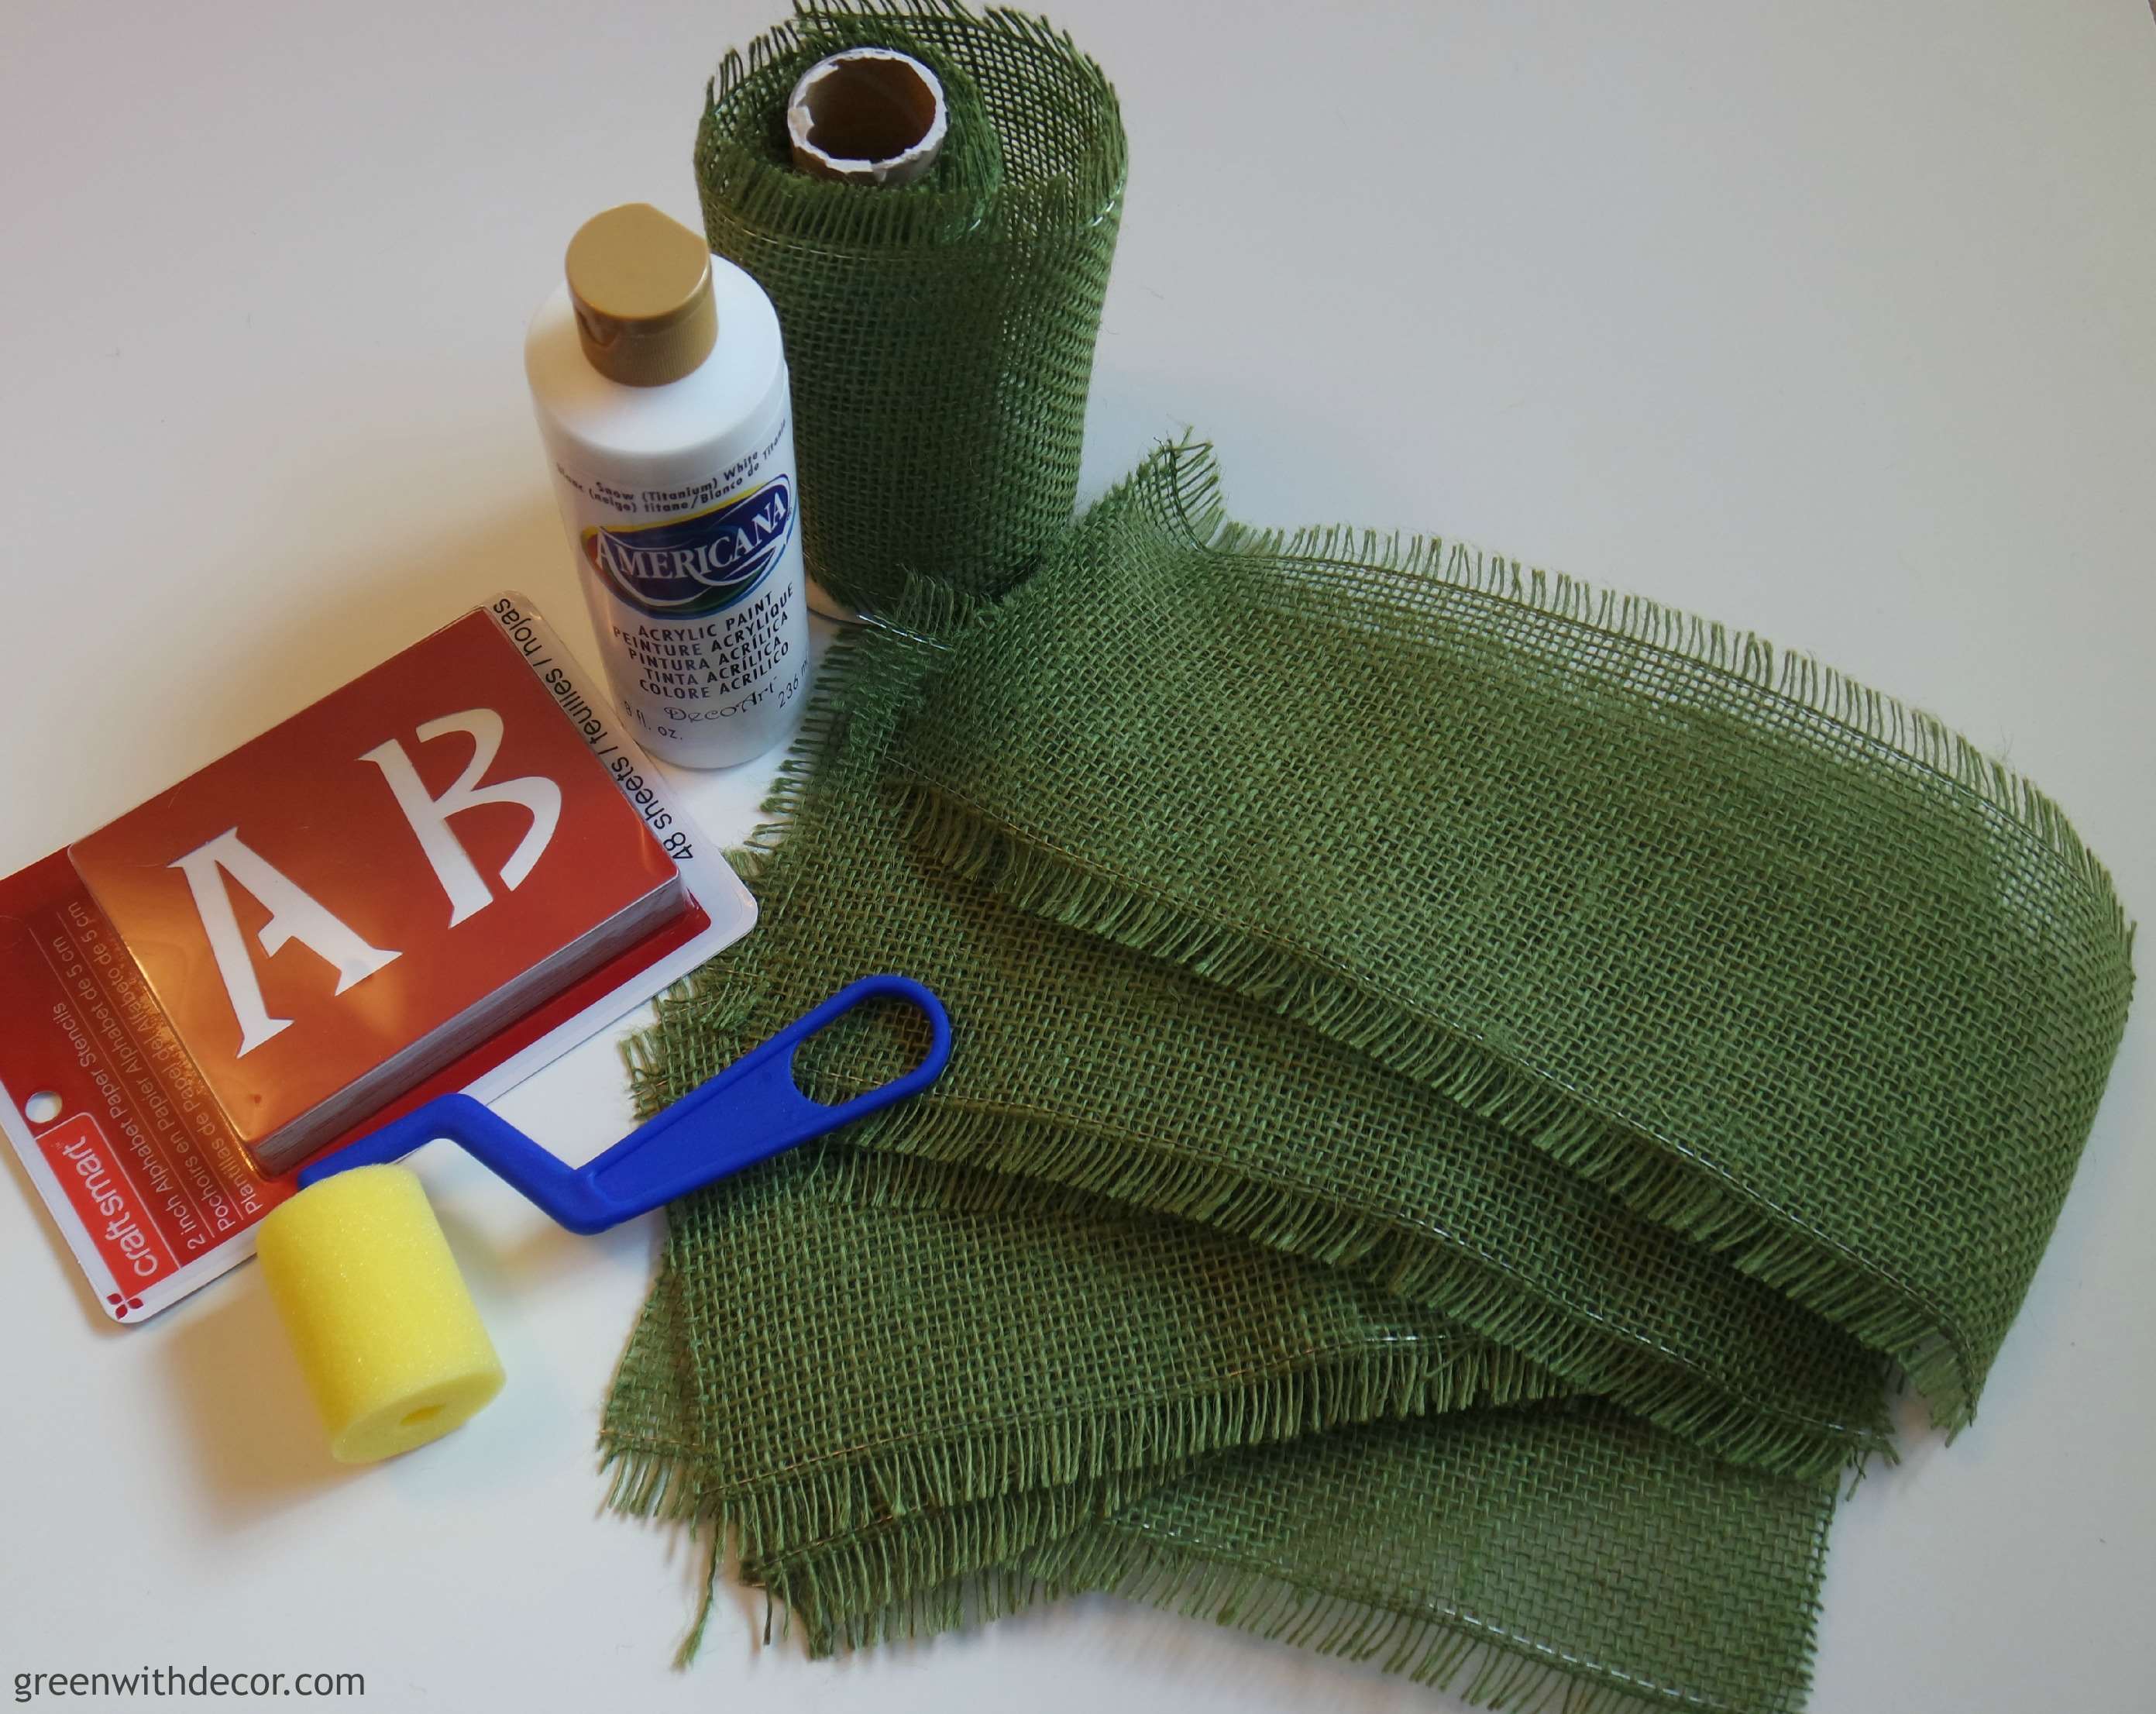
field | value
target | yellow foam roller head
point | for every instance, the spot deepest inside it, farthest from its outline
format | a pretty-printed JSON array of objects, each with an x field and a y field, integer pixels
[{"x": 385, "y": 1330}]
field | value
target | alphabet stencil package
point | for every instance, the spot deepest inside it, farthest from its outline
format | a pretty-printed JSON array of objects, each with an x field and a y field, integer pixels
[{"x": 453, "y": 867}]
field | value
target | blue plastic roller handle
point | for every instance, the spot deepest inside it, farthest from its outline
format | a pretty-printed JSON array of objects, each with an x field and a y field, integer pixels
[{"x": 747, "y": 1113}]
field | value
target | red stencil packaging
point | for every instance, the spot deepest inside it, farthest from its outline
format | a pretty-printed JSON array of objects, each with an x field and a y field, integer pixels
[{"x": 438, "y": 876}]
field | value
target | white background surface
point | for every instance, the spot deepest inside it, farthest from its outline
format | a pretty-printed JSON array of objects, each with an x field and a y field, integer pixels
[{"x": 1831, "y": 319}]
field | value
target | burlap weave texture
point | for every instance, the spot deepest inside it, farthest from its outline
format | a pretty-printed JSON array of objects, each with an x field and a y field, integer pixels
[
  {"x": 1794, "y": 970},
  {"x": 940, "y": 336}
]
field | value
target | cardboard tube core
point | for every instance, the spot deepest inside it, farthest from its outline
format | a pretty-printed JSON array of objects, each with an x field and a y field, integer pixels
[{"x": 868, "y": 115}]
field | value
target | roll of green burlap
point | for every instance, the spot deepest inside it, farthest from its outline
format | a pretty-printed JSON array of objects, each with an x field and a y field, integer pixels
[{"x": 940, "y": 334}]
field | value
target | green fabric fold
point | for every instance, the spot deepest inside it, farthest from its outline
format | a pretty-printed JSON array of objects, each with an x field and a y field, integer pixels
[
  {"x": 920, "y": 1394},
  {"x": 1566, "y": 1557},
  {"x": 914, "y": 1414},
  {"x": 1794, "y": 971},
  {"x": 833, "y": 1342},
  {"x": 1023, "y": 1343},
  {"x": 1080, "y": 1062}
]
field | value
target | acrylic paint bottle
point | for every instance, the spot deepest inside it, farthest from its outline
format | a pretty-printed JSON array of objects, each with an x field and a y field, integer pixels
[{"x": 660, "y": 385}]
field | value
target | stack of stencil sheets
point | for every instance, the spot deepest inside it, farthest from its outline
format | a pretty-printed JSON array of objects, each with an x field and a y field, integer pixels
[{"x": 1465, "y": 1088}]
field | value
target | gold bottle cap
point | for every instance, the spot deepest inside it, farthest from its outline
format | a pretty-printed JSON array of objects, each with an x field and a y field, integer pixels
[{"x": 641, "y": 283}]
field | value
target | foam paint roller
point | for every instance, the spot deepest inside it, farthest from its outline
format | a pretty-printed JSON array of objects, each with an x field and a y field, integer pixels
[
  {"x": 385, "y": 1333},
  {"x": 389, "y": 1340}
]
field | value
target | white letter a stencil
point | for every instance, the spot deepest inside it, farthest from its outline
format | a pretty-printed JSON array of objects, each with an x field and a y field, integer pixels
[{"x": 295, "y": 914}]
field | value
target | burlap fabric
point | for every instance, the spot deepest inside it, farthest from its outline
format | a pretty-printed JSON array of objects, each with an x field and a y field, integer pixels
[
  {"x": 1463, "y": 1085},
  {"x": 1085, "y": 1063},
  {"x": 940, "y": 336},
  {"x": 916, "y": 1413},
  {"x": 1795, "y": 971}
]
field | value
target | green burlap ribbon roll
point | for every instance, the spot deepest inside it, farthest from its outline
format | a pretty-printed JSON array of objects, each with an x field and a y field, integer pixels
[{"x": 939, "y": 335}]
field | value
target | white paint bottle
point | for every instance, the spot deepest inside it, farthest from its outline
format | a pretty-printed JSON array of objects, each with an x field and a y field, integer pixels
[{"x": 660, "y": 384}]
